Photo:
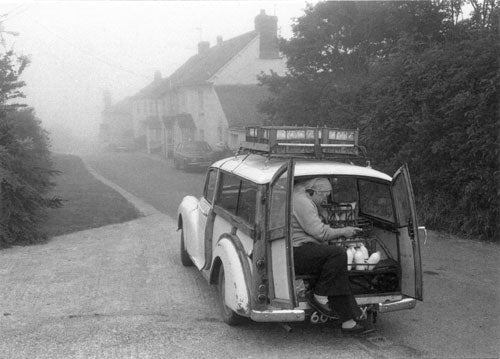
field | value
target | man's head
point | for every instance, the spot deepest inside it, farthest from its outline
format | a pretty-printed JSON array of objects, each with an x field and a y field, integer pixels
[{"x": 319, "y": 189}]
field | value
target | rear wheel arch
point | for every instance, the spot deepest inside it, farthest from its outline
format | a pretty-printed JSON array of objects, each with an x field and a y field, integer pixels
[{"x": 230, "y": 255}]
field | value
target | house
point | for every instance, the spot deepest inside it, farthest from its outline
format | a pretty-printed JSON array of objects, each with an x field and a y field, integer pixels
[
  {"x": 146, "y": 111},
  {"x": 116, "y": 127},
  {"x": 214, "y": 94}
]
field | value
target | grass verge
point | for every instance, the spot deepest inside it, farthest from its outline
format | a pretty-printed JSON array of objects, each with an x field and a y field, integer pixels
[{"x": 87, "y": 202}]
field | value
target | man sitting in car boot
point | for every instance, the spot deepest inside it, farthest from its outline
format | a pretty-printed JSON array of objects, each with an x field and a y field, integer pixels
[{"x": 312, "y": 254}]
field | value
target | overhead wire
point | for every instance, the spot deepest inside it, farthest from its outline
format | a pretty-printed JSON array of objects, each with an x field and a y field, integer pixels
[{"x": 88, "y": 53}]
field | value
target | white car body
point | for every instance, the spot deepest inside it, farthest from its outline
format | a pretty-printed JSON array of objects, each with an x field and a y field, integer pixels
[{"x": 259, "y": 280}]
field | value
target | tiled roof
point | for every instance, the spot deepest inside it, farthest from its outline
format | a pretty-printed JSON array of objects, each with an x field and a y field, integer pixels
[
  {"x": 199, "y": 68},
  {"x": 151, "y": 91},
  {"x": 239, "y": 103}
]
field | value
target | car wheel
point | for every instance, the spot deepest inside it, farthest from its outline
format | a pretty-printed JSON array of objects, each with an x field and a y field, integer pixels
[
  {"x": 228, "y": 315},
  {"x": 185, "y": 260}
]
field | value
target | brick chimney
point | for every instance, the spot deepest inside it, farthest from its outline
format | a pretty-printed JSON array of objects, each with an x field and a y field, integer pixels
[
  {"x": 219, "y": 39},
  {"x": 203, "y": 47},
  {"x": 267, "y": 27}
]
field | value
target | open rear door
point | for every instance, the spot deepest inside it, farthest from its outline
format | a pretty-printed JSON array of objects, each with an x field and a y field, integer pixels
[
  {"x": 280, "y": 251},
  {"x": 409, "y": 243}
]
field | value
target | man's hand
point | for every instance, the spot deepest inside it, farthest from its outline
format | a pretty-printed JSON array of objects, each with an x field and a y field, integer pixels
[{"x": 350, "y": 232}]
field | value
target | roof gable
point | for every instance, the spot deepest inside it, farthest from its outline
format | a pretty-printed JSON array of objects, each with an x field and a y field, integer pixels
[
  {"x": 199, "y": 68},
  {"x": 239, "y": 103}
]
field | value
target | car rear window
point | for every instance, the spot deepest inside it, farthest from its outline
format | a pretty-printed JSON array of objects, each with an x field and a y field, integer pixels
[{"x": 196, "y": 147}]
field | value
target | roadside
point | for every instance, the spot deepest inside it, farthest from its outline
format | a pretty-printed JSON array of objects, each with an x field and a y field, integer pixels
[{"x": 87, "y": 201}]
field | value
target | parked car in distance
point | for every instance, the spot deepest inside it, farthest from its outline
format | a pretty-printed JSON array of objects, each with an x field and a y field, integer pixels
[
  {"x": 238, "y": 233},
  {"x": 193, "y": 154}
]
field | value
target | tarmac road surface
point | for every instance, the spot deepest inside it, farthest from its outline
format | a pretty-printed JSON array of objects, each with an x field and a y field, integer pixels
[{"x": 120, "y": 292}]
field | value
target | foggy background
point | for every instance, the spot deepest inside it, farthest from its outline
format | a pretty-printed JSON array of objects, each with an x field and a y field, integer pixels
[{"x": 80, "y": 49}]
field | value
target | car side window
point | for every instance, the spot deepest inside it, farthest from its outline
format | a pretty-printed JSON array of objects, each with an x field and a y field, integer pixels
[
  {"x": 247, "y": 201},
  {"x": 238, "y": 196},
  {"x": 229, "y": 193},
  {"x": 209, "y": 190}
]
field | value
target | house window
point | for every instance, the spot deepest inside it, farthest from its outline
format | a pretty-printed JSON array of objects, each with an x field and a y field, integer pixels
[{"x": 201, "y": 103}]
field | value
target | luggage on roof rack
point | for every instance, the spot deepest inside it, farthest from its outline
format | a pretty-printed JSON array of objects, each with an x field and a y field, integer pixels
[{"x": 309, "y": 142}]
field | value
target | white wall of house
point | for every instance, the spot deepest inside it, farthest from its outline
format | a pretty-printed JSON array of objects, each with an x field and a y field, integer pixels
[
  {"x": 140, "y": 111},
  {"x": 205, "y": 108},
  {"x": 246, "y": 65}
]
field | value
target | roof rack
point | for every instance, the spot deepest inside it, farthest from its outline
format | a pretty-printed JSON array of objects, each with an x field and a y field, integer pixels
[{"x": 303, "y": 142}]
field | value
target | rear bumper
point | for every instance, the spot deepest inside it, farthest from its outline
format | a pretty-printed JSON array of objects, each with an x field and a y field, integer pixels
[
  {"x": 198, "y": 163},
  {"x": 282, "y": 315},
  {"x": 392, "y": 306},
  {"x": 299, "y": 315}
]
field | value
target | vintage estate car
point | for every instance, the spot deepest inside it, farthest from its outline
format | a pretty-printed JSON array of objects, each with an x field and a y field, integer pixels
[
  {"x": 238, "y": 232},
  {"x": 192, "y": 154}
]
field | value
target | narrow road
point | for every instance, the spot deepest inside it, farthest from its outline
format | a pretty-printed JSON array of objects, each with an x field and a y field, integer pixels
[
  {"x": 460, "y": 314},
  {"x": 120, "y": 291},
  {"x": 153, "y": 180}
]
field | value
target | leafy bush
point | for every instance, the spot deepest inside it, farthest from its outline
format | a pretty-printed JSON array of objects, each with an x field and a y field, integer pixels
[
  {"x": 437, "y": 110},
  {"x": 25, "y": 165}
]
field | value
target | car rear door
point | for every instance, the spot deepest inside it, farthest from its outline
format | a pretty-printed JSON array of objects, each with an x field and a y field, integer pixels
[
  {"x": 278, "y": 237},
  {"x": 205, "y": 218},
  {"x": 409, "y": 243}
]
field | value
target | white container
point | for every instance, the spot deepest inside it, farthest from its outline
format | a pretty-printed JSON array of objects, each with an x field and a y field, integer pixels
[
  {"x": 350, "y": 257},
  {"x": 359, "y": 260},
  {"x": 373, "y": 260},
  {"x": 364, "y": 250}
]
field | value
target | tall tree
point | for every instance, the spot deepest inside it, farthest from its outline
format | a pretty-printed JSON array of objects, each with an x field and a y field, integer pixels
[
  {"x": 422, "y": 88},
  {"x": 25, "y": 164}
]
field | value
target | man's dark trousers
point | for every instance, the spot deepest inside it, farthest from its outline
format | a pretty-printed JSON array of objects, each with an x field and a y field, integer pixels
[{"x": 329, "y": 264}]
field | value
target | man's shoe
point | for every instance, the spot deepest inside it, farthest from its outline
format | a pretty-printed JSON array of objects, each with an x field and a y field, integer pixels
[
  {"x": 358, "y": 329},
  {"x": 322, "y": 308}
]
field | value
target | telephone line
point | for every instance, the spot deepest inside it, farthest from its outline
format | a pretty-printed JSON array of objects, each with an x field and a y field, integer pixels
[{"x": 88, "y": 53}]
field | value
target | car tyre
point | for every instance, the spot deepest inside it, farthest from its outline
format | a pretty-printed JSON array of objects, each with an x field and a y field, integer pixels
[
  {"x": 228, "y": 315},
  {"x": 185, "y": 259}
]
